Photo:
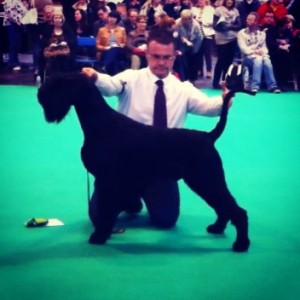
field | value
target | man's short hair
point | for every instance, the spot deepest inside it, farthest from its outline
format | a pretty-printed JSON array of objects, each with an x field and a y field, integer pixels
[
  {"x": 255, "y": 14},
  {"x": 162, "y": 36}
]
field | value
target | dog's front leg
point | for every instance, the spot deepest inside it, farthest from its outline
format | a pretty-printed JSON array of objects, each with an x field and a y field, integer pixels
[{"x": 107, "y": 210}]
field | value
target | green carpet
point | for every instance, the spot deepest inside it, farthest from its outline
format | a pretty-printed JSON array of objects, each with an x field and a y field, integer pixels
[{"x": 41, "y": 176}]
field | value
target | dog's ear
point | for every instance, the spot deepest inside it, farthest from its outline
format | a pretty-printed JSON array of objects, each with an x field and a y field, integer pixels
[
  {"x": 56, "y": 96},
  {"x": 234, "y": 77}
]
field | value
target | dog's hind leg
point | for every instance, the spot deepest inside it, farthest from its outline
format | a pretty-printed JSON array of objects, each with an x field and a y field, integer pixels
[{"x": 209, "y": 183}]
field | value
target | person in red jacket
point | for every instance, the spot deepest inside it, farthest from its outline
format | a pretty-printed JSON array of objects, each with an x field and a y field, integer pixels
[{"x": 276, "y": 7}]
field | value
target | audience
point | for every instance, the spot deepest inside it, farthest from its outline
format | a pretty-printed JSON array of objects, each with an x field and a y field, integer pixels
[{"x": 218, "y": 20}]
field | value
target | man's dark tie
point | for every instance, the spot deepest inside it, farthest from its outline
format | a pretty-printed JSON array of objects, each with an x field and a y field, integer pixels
[{"x": 160, "y": 108}]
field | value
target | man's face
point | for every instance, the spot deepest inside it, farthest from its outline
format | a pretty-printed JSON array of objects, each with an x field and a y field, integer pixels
[
  {"x": 269, "y": 18},
  {"x": 251, "y": 21},
  {"x": 160, "y": 58}
]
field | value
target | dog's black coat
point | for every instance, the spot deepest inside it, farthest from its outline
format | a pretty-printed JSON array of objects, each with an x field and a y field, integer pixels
[{"x": 124, "y": 156}]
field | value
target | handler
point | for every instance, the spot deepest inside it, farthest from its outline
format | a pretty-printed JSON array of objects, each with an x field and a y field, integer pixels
[{"x": 136, "y": 91}]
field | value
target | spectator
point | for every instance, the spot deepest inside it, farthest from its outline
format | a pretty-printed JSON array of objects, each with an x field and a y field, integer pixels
[
  {"x": 111, "y": 42},
  {"x": 81, "y": 25},
  {"x": 102, "y": 14},
  {"x": 60, "y": 36},
  {"x": 252, "y": 43},
  {"x": 44, "y": 28},
  {"x": 14, "y": 11},
  {"x": 136, "y": 44},
  {"x": 204, "y": 15},
  {"x": 282, "y": 54},
  {"x": 174, "y": 8},
  {"x": 190, "y": 35},
  {"x": 130, "y": 22},
  {"x": 275, "y": 6},
  {"x": 245, "y": 7},
  {"x": 150, "y": 8},
  {"x": 226, "y": 24}
]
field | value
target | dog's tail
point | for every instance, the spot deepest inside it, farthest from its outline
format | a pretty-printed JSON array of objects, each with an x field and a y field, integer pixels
[{"x": 218, "y": 130}]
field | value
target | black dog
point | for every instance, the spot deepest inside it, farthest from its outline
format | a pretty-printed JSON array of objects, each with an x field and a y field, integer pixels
[{"x": 125, "y": 155}]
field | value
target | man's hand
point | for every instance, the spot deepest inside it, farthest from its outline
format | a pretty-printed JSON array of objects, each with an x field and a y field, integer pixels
[{"x": 90, "y": 73}]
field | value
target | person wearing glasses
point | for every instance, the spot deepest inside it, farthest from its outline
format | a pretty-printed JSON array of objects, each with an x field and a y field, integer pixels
[{"x": 135, "y": 90}]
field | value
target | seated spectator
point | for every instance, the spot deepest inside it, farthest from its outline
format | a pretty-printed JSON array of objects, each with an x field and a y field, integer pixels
[
  {"x": 102, "y": 14},
  {"x": 252, "y": 43},
  {"x": 60, "y": 46},
  {"x": 134, "y": 4},
  {"x": 92, "y": 10},
  {"x": 136, "y": 44},
  {"x": 190, "y": 34},
  {"x": 282, "y": 54},
  {"x": 159, "y": 17},
  {"x": 149, "y": 8},
  {"x": 174, "y": 8},
  {"x": 130, "y": 22},
  {"x": 275, "y": 6},
  {"x": 110, "y": 44},
  {"x": 81, "y": 25}
]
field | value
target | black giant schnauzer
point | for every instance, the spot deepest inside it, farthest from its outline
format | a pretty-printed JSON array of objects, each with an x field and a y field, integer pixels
[{"x": 124, "y": 155}]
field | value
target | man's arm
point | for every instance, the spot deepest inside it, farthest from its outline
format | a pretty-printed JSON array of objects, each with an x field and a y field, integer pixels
[{"x": 108, "y": 85}]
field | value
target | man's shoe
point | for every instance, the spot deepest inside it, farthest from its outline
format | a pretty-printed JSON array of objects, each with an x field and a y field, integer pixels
[
  {"x": 275, "y": 91},
  {"x": 16, "y": 68},
  {"x": 208, "y": 74},
  {"x": 254, "y": 90}
]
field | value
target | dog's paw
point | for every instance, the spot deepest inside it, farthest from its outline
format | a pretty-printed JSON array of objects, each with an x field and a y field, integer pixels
[
  {"x": 218, "y": 227},
  {"x": 97, "y": 239},
  {"x": 241, "y": 245}
]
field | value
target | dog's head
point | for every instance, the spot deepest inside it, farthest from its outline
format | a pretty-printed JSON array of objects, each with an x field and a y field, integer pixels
[{"x": 58, "y": 93}]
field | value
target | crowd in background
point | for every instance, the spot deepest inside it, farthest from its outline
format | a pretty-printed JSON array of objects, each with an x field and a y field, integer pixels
[{"x": 208, "y": 33}]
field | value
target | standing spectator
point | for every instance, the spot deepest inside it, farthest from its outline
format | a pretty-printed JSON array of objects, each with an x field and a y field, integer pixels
[
  {"x": 111, "y": 42},
  {"x": 275, "y": 6},
  {"x": 204, "y": 15},
  {"x": 245, "y": 7},
  {"x": 14, "y": 11},
  {"x": 3, "y": 36},
  {"x": 190, "y": 35},
  {"x": 44, "y": 28},
  {"x": 226, "y": 24},
  {"x": 252, "y": 43},
  {"x": 33, "y": 32}
]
